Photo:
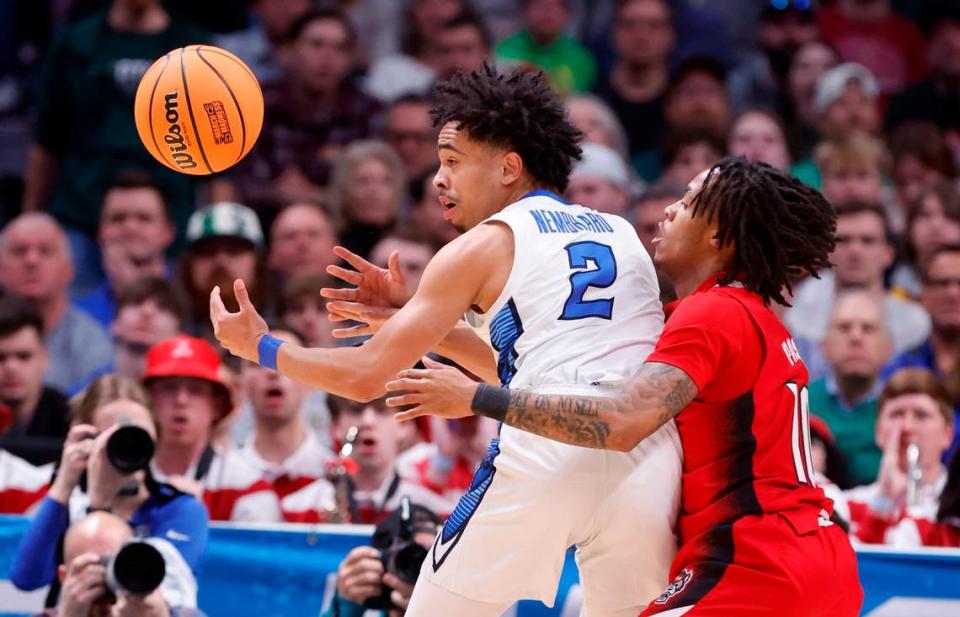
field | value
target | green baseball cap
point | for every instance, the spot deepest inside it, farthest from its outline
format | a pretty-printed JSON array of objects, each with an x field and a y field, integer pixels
[{"x": 225, "y": 219}]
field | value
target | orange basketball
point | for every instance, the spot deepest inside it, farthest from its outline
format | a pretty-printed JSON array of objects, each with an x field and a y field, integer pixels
[{"x": 199, "y": 109}]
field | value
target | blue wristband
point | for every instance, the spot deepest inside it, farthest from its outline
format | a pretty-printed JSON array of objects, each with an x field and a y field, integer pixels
[{"x": 267, "y": 351}]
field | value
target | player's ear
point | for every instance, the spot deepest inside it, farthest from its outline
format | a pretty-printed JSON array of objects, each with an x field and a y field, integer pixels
[{"x": 511, "y": 168}]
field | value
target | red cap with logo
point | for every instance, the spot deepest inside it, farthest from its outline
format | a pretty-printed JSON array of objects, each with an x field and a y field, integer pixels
[{"x": 183, "y": 356}]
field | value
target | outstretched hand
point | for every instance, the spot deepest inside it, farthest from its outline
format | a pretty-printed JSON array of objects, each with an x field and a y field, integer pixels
[
  {"x": 240, "y": 332},
  {"x": 370, "y": 317},
  {"x": 373, "y": 285},
  {"x": 438, "y": 390}
]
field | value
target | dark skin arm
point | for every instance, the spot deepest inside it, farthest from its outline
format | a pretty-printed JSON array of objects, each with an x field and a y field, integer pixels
[{"x": 618, "y": 422}]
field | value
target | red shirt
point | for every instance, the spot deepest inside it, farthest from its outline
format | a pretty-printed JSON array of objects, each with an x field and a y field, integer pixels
[{"x": 746, "y": 436}]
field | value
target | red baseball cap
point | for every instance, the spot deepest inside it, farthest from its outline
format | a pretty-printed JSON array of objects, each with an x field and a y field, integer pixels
[{"x": 186, "y": 356}]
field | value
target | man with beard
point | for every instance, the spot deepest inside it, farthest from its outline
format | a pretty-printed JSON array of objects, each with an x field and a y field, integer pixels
[
  {"x": 857, "y": 345},
  {"x": 226, "y": 241}
]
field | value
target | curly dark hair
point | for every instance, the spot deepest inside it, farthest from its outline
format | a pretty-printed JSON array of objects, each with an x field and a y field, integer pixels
[
  {"x": 780, "y": 228},
  {"x": 518, "y": 111}
]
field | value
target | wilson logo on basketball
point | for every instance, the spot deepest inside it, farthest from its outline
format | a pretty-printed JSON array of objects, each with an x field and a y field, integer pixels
[
  {"x": 217, "y": 116},
  {"x": 174, "y": 135}
]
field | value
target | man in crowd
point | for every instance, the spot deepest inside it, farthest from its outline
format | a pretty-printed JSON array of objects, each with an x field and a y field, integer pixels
[
  {"x": 148, "y": 311},
  {"x": 35, "y": 263},
  {"x": 302, "y": 238},
  {"x": 600, "y": 180},
  {"x": 941, "y": 298},
  {"x": 409, "y": 130},
  {"x": 282, "y": 446},
  {"x": 696, "y": 99},
  {"x": 190, "y": 396},
  {"x": 413, "y": 256},
  {"x": 647, "y": 211},
  {"x": 376, "y": 488},
  {"x": 33, "y": 419},
  {"x": 134, "y": 234},
  {"x": 464, "y": 43},
  {"x": 856, "y": 347},
  {"x": 862, "y": 254}
]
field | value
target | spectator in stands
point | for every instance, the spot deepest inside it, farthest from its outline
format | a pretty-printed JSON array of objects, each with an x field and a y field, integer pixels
[
  {"x": 861, "y": 256},
  {"x": 936, "y": 99},
  {"x": 225, "y": 243},
  {"x": 596, "y": 120},
  {"x": 282, "y": 446},
  {"x": 697, "y": 97},
  {"x": 304, "y": 308},
  {"x": 809, "y": 63},
  {"x": 914, "y": 410},
  {"x": 933, "y": 220},
  {"x": 367, "y": 192},
  {"x": 410, "y": 132},
  {"x": 600, "y": 180},
  {"x": 544, "y": 43},
  {"x": 376, "y": 488},
  {"x": 687, "y": 152},
  {"x": 426, "y": 213},
  {"x": 148, "y": 311},
  {"x": 360, "y": 575},
  {"x": 759, "y": 136},
  {"x": 446, "y": 464},
  {"x": 33, "y": 418},
  {"x": 22, "y": 484},
  {"x": 261, "y": 44},
  {"x": 302, "y": 238},
  {"x": 190, "y": 397},
  {"x": 642, "y": 37},
  {"x": 870, "y": 33},
  {"x": 940, "y": 353},
  {"x": 464, "y": 42},
  {"x": 856, "y": 348},
  {"x": 85, "y": 130},
  {"x": 648, "y": 211},
  {"x": 828, "y": 461},
  {"x": 156, "y": 510},
  {"x": 413, "y": 255},
  {"x": 310, "y": 115},
  {"x": 134, "y": 235},
  {"x": 35, "y": 263},
  {"x": 84, "y": 577},
  {"x": 921, "y": 157},
  {"x": 846, "y": 101}
]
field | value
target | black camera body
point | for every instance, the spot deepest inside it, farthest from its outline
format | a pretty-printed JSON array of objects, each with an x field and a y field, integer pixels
[
  {"x": 137, "y": 569},
  {"x": 400, "y": 554},
  {"x": 129, "y": 449}
]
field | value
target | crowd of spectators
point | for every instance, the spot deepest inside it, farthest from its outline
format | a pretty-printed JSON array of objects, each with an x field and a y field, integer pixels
[{"x": 107, "y": 258}]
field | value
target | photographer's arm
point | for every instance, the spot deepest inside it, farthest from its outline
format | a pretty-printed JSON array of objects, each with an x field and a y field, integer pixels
[{"x": 35, "y": 561}]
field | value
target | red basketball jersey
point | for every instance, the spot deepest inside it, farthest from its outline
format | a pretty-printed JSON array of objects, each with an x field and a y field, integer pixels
[{"x": 746, "y": 436}]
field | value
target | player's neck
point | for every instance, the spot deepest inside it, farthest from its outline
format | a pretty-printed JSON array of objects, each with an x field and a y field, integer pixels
[
  {"x": 523, "y": 187},
  {"x": 276, "y": 442},
  {"x": 692, "y": 276},
  {"x": 148, "y": 21}
]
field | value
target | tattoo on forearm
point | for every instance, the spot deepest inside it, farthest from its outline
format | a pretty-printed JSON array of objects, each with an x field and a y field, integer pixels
[{"x": 648, "y": 401}]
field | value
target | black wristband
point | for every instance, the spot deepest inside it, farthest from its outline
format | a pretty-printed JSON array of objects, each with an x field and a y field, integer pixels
[{"x": 491, "y": 401}]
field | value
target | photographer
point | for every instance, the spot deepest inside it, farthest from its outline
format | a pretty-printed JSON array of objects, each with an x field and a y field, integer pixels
[
  {"x": 371, "y": 578},
  {"x": 152, "y": 509},
  {"x": 85, "y": 576}
]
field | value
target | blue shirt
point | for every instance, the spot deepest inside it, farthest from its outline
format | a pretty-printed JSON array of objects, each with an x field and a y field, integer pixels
[{"x": 99, "y": 304}]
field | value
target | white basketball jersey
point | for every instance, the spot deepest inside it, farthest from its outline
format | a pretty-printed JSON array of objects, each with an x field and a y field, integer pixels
[{"x": 582, "y": 303}]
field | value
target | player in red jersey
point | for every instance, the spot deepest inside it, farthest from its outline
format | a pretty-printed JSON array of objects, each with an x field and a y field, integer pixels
[{"x": 754, "y": 530}]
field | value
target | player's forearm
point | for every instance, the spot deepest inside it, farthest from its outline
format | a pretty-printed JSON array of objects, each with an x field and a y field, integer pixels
[
  {"x": 343, "y": 371},
  {"x": 472, "y": 353},
  {"x": 646, "y": 403}
]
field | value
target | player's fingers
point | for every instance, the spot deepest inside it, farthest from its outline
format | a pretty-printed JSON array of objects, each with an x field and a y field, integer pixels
[
  {"x": 433, "y": 364},
  {"x": 394, "y": 265},
  {"x": 348, "y": 276},
  {"x": 405, "y": 384},
  {"x": 351, "y": 332},
  {"x": 332, "y": 293},
  {"x": 359, "y": 263},
  {"x": 414, "y": 373},
  {"x": 403, "y": 400},
  {"x": 217, "y": 309},
  {"x": 243, "y": 298},
  {"x": 410, "y": 414}
]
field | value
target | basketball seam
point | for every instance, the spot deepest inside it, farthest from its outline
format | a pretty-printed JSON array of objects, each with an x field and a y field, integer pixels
[
  {"x": 153, "y": 92},
  {"x": 214, "y": 50},
  {"x": 243, "y": 126},
  {"x": 193, "y": 120}
]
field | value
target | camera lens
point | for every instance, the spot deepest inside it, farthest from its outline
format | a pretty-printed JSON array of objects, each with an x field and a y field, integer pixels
[
  {"x": 137, "y": 569},
  {"x": 130, "y": 448},
  {"x": 407, "y": 562}
]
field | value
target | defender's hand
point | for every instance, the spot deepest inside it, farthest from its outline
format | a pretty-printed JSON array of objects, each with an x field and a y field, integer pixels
[
  {"x": 371, "y": 317},
  {"x": 374, "y": 285},
  {"x": 438, "y": 390},
  {"x": 240, "y": 332}
]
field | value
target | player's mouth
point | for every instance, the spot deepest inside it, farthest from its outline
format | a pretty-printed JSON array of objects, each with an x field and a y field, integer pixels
[
  {"x": 448, "y": 206},
  {"x": 657, "y": 238}
]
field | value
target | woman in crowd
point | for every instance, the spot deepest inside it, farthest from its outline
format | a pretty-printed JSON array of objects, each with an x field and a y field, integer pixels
[
  {"x": 758, "y": 135},
  {"x": 933, "y": 220}
]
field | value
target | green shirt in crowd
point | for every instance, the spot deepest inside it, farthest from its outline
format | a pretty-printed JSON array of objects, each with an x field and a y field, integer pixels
[
  {"x": 85, "y": 115},
  {"x": 852, "y": 427},
  {"x": 568, "y": 63}
]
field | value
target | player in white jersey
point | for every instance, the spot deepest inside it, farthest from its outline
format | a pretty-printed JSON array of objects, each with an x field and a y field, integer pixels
[{"x": 570, "y": 298}]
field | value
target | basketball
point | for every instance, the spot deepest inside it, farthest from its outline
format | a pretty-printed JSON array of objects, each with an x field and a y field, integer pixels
[{"x": 198, "y": 109}]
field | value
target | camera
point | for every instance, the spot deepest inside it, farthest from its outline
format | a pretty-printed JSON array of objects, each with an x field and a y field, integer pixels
[
  {"x": 400, "y": 554},
  {"x": 137, "y": 569},
  {"x": 129, "y": 449}
]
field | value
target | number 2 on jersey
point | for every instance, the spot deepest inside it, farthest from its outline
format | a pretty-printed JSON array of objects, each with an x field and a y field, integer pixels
[
  {"x": 602, "y": 275},
  {"x": 800, "y": 434}
]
